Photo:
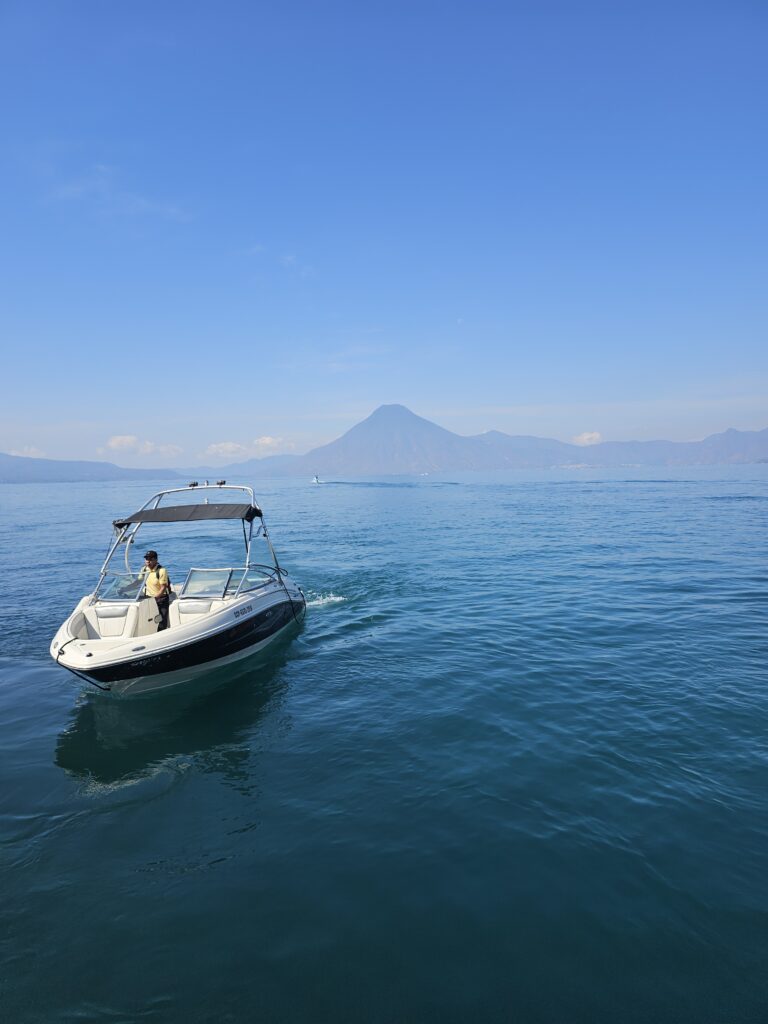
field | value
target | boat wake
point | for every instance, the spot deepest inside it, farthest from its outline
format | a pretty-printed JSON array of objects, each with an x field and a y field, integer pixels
[{"x": 323, "y": 599}]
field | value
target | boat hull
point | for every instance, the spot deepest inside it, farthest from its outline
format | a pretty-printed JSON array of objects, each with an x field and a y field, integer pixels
[
  {"x": 168, "y": 663},
  {"x": 166, "y": 682}
]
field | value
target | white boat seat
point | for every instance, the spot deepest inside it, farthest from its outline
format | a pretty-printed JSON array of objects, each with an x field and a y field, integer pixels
[
  {"x": 111, "y": 611},
  {"x": 193, "y": 606},
  {"x": 111, "y": 619},
  {"x": 184, "y": 610}
]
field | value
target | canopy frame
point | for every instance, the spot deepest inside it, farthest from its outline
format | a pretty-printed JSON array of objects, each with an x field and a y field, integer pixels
[{"x": 153, "y": 511}]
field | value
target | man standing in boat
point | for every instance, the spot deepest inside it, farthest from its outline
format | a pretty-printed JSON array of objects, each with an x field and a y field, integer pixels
[{"x": 158, "y": 586}]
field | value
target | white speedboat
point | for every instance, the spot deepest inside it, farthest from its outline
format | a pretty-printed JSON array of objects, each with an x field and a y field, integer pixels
[{"x": 216, "y": 616}]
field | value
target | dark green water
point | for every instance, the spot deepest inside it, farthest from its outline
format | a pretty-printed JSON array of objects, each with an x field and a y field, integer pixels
[{"x": 512, "y": 769}]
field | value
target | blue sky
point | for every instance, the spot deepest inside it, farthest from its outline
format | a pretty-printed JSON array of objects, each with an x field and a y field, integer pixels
[{"x": 236, "y": 228}]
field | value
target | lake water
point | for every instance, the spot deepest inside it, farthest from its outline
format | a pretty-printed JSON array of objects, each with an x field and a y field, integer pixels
[{"x": 513, "y": 769}]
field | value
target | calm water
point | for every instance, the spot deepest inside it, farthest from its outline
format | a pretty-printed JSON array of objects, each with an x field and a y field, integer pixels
[{"x": 512, "y": 770}]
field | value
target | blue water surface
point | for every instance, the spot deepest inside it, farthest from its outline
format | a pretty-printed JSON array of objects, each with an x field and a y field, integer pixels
[{"x": 513, "y": 769}]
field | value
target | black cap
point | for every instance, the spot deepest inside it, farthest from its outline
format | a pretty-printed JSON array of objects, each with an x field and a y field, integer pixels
[{"x": 150, "y": 554}]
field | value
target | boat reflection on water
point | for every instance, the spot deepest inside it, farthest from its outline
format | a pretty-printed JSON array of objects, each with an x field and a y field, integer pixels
[{"x": 110, "y": 742}]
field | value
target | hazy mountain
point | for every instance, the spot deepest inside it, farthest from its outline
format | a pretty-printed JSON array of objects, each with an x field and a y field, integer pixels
[
  {"x": 393, "y": 441},
  {"x": 732, "y": 446},
  {"x": 522, "y": 450},
  {"x": 18, "y": 469}
]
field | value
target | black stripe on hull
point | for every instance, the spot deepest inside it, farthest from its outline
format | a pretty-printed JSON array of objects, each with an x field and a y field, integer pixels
[{"x": 238, "y": 637}]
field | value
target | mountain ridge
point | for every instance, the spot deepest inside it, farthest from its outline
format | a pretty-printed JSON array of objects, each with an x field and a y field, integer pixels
[
  {"x": 394, "y": 441},
  {"x": 21, "y": 469}
]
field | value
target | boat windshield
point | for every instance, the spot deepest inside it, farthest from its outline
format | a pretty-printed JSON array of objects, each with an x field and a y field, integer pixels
[
  {"x": 207, "y": 582},
  {"x": 224, "y": 582},
  {"x": 123, "y": 586},
  {"x": 255, "y": 577}
]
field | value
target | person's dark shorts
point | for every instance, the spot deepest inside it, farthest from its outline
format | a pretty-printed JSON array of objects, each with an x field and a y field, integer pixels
[{"x": 162, "y": 610}]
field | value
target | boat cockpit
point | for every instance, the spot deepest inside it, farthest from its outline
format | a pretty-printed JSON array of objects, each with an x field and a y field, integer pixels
[{"x": 120, "y": 607}]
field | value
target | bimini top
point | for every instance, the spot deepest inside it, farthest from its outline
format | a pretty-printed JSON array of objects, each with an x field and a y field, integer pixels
[{"x": 191, "y": 513}]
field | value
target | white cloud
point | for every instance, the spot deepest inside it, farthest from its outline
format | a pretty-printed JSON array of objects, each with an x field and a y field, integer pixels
[
  {"x": 121, "y": 441},
  {"x": 257, "y": 448},
  {"x": 588, "y": 437},
  {"x": 271, "y": 443},
  {"x": 225, "y": 449},
  {"x": 131, "y": 443},
  {"x": 29, "y": 452}
]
